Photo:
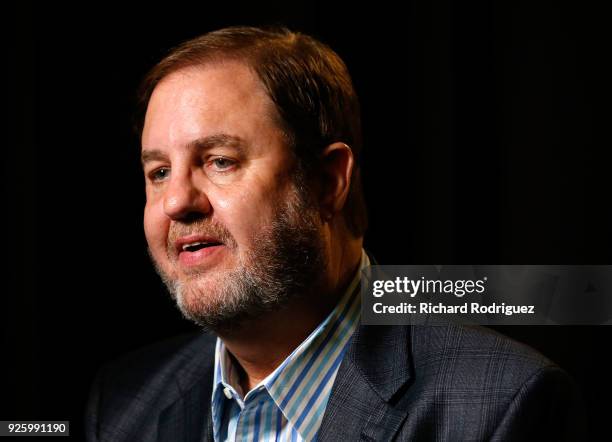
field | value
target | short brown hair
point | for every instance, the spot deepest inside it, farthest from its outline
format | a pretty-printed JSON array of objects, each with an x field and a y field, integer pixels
[{"x": 307, "y": 81}]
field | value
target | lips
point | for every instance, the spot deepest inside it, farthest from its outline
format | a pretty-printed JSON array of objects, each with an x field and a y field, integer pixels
[
  {"x": 195, "y": 250},
  {"x": 197, "y": 245},
  {"x": 193, "y": 243}
]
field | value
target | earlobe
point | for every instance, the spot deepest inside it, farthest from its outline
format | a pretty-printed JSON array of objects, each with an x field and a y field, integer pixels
[{"x": 338, "y": 162}]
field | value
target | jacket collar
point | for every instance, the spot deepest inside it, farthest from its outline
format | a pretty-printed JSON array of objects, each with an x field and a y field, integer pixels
[
  {"x": 381, "y": 355},
  {"x": 376, "y": 369}
]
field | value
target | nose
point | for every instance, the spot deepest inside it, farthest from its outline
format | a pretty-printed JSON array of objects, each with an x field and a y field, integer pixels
[{"x": 184, "y": 199}]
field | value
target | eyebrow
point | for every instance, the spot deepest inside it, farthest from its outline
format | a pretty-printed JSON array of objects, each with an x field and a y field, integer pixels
[{"x": 204, "y": 143}]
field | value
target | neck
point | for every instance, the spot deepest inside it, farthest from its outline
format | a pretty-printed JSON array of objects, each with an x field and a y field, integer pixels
[{"x": 262, "y": 344}]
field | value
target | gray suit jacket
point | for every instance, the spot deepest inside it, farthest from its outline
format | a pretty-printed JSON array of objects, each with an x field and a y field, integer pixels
[{"x": 443, "y": 382}]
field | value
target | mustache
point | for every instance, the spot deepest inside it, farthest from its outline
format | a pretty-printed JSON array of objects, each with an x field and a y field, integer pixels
[{"x": 204, "y": 226}]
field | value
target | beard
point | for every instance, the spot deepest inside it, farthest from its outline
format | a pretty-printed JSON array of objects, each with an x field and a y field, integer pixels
[{"x": 284, "y": 262}]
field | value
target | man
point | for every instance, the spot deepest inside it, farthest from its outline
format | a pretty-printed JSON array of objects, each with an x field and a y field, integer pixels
[{"x": 255, "y": 220}]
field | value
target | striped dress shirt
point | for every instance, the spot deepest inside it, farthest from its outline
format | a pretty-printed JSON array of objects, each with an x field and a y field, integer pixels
[{"x": 288, "y": 405}]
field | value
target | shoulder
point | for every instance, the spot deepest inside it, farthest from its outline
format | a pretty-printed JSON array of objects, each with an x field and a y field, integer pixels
[
  {"x": 139, "y": 384},
  {"x": 161, "y": 362},
  {"x": 461, "y": 364},
  {"x": 458, "y": 382},
  {"x": 509, "y": 389},
  {"x": 477, "y": 353},
  {"x": 459, "y": 356}
]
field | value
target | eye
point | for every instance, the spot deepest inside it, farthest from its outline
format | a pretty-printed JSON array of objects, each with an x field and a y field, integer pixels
[
  {"x": 160, "y": 174},
  {"x": 222, "y": 163}
]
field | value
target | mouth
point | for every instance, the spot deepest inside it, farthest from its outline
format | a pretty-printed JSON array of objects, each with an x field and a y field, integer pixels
[
  {"x": 198, "y": 245},
  {"x": 197, "y": 250}
]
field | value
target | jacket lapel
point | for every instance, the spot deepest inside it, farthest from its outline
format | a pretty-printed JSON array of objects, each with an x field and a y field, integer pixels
[
  {"x": 188, "y": 418},
  {"x": 365, "y": 403}
]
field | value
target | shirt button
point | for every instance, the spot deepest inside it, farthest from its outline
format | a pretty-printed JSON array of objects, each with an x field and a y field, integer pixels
[{"x": 227, "y": 392}]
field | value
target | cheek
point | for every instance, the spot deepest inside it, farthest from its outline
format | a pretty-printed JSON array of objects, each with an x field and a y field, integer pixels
[
  {"x": 236, "y": 213},
  {"x": 156, "y": 226},
  {"x": 246, "y": 213}
]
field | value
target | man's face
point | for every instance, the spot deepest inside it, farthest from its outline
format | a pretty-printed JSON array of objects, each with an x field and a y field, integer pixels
[{"x": 226, "y": 227}]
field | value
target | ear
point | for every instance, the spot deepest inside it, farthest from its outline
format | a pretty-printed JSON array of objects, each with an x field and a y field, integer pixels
[{"x": 337, "y": 167}]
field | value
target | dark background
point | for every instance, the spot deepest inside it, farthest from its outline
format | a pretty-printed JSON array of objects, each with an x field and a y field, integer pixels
[{"x": 486, "y": 131}]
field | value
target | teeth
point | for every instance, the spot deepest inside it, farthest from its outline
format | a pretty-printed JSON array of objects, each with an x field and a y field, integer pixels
[{"x": 193, "y": 244}]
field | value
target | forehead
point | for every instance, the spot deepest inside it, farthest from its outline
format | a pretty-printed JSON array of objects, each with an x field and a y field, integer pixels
[{"x": 222, "y": 97}]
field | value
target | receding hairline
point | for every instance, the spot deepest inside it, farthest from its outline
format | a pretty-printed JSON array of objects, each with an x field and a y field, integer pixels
[{"x": 209, "y": 63}]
